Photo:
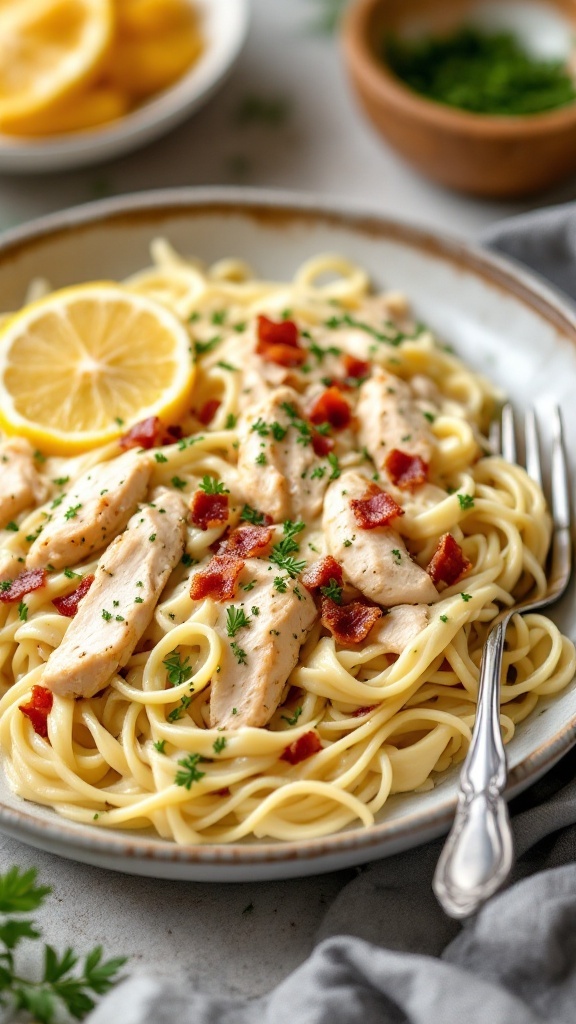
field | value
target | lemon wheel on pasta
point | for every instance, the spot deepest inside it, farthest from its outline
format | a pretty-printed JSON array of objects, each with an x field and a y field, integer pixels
[{"x": 82, "y": 364}]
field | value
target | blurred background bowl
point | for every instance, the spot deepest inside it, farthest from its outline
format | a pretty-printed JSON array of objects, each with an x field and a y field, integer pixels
[
  {"x": 478, "y": 153},
  {"x": 224, "y": 24}
]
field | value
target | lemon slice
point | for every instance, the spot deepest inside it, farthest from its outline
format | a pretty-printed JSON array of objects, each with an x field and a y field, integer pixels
[
  {"x": 48, "y": 49},
  {"x": 78, "y": 367}
]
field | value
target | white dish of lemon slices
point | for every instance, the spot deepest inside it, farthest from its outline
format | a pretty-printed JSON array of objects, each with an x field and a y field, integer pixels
[{"x": 57, "y": 53}]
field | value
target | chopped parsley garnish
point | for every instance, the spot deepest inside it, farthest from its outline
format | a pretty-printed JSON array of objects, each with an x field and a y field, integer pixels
[
  {"x": 58, "y": 501},
  {"x": 177, "y": 671},
  {"x": 187, "y": 559},
  {"x": 333, "y": 590},
  {"x": 5, "y": 585},
  {"x": 218, "y": 316},
  {"x": 106, "y": 615},
  {"x": 236, "y": 619},
  {"x": 202, "y": 347},
  {"x": 239, "y": 654},
  {"x": 119, "y": 618},
  {"x": 251, "y": 515},
  {"x": 159, "y": 745},
  {"x": 152, "y": 537},
  {"x": 188, "y": 773},
  {"x": 429, "y": 416},
  {"x": 72, "y": 575},
  {"x": 226, "y": 366},
  {"x": 72, "y": 512},
  {"x": 294, "y": 718},
  {"x": 231, "y": 421},
  {"x": 255, "y": 610},
  {"x": 178, "y": 482},
  {"x": 260, "y": 460},
  {"x": 249, "y": 586},
  {"x": 466, "y": 597},
  {"x": 260, "y": 427},
  {"x": 61, "y": 480},
  {"x": 333, "y": 460},
  {"x": 22, "y": 611},
  {"x": 318, "y": 472},
  {"x": 138, "y": 600},
  {"x": 219, "y": 745},
  {"x": 443, "y": 618},
  {"x": 397, "y": 555},
  {"x": 282, "y": 553},
  {"x": 212, "y": 486},
  {"x": 466, "y": 501},
  {"x": 12, "y": 526},
  {"x": 159, "y": 457},
  {"x": 281, "y": 584}
]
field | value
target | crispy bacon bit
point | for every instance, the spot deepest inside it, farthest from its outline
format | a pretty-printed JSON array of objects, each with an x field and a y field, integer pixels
[
  {"x": 278, "y": 342},
  {"x": 207, "y": 510},
  {"x": 320, "y": 573},
  {"x": 406, "y": 471},
  {"x": 246, "y": 541},
  {"x": 331, "y": 408},
  {"x": 68, "y": 604},
  {"x": 302, "y": 748},
  {"x": 356, "y": 368},
  {"x": 448, "y": 563},
  {"x": 376, "y": 508},
  {"x": 38, "y": 708},
  {"x": 322, "y": 444},
  {"x": 363, "y": 711},
  {"x": 25, "y": 583},
  {"x": 150, "y": 433},
  {"x": 349, "y": 623},
  {"x": 146, "y": 434},
  {"x": 208, "y": 411},
  {"x": 218, "y": 579}
]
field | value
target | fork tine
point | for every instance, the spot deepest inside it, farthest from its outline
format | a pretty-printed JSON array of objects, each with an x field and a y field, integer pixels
[
  {"x": 533, "y": 465},
  {"x": 494, "y": 437},
  {"x": 559, "y": 474},
  {"x": 508, "y": 434}
]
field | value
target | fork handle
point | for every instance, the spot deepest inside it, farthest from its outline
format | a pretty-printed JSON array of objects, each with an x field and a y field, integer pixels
[{"x": 478, "y": 854}]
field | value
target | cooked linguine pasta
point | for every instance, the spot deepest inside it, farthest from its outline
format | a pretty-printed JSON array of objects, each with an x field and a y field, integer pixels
[{"x": 289, "y": 678}]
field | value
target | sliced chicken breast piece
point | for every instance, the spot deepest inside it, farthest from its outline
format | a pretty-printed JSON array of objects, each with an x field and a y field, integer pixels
[
  {"x": 276, "y": 460},
  {"x": 94, "y": 510},
  {"x": 20, "y": 484},
  {"x": 258, "y": 658},
  {"x": 389, "y": 417},
  {"x": 113, "y": 615},
  {"x": 399, "y": 627},
  {"x": 376, "y": 561}
]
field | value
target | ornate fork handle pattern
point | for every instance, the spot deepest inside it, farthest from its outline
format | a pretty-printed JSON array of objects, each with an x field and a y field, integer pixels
[{"x": 478, "y": 854}]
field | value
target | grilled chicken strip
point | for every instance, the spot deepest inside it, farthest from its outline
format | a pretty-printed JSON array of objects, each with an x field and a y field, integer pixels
[
  {"x": 275, "y": 469},
  {"x": 257, "y": 660},
  {"x": 96, "y": 508},
  {"x": 375, "y": 561},
  {"x": 20, "y": 485},
  {"x": 388, "y": 418},
  {"x": 113, "y": 615}
]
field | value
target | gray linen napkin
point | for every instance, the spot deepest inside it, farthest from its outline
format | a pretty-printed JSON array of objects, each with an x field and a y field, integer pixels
[{"x": 386, "y": 954}]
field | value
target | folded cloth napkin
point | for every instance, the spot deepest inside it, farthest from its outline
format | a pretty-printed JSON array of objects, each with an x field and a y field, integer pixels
[{"x": 386, "y": 954}]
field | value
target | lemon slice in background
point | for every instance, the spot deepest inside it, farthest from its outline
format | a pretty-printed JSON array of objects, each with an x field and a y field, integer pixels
[
  {"x": 78, "y": 367},
  {"x": 48, "y": 50}
]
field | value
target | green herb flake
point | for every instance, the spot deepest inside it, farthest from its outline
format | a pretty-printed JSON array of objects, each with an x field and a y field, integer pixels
[
  {"x": 12, "y": 526},
  {"x": 236, "y": 619},
  {"x": 160, "y": 457},
  {"x": 219, "y": 745},
  {"x": 159, "y": 745},
  {"x": 292, "y": 720},
  {"x": 178, "y": 482},
  {"x": 466, "y": 597},
  {"x": 212, "y": 486},
  {"x": 177, "y": 671},
  {"x": 239, "y": 654},
  {"x": 23, "y": 611},
  {"x": 466, "y": 501},
  {"x": 189, "y": 772}
]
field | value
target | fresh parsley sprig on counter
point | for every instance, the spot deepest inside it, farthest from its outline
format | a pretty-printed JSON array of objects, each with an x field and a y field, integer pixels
[{"x": 62, "y": 986}]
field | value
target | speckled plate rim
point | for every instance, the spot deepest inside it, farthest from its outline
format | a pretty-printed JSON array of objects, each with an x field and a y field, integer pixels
[{"x": 136, "y": 853}]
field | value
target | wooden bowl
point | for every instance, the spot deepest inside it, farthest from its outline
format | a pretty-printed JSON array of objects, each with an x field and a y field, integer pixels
[{"x": 483, "y": 154}]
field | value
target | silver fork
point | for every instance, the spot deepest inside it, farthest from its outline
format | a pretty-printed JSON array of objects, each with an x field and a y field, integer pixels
[{"x": 478, "y": 854}]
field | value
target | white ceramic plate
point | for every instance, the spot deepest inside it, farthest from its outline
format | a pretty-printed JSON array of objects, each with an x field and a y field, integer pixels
[
  {"x": 224, "y": 26},
  {"x": 502, "y": 321}
]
